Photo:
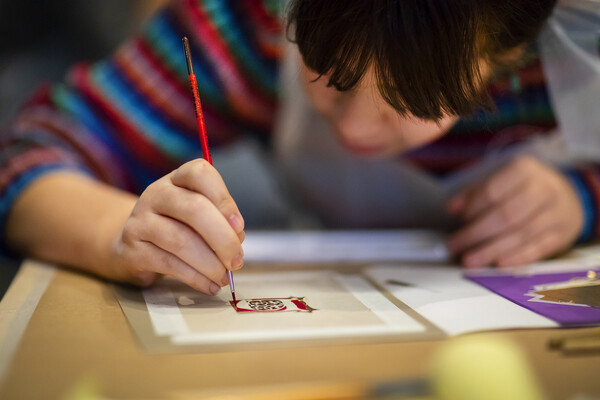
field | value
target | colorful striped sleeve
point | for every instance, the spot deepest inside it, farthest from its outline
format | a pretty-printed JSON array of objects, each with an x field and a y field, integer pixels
[
  {"x": 129, "y": 120},
  {"x": 586, "y": 183}
]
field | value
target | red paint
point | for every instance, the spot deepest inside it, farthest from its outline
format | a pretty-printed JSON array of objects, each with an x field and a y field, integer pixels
[{"x": 300, "y": 304}]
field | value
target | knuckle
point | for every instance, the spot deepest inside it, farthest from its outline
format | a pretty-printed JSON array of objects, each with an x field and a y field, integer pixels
[
  {"x": 175, "y": 241},
  {"x": 190, "y": 171},
  {"x": 200, "y": 166},
  {"x": 168, "y": 264},
  {"x": 197, "y": 203},
  {"x": 156, "y": 193},
  {"x": 227, "y": 205}
]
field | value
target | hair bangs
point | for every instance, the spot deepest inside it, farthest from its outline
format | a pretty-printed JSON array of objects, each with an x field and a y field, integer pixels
[
  {"x": 416, "y": 72},
  {"x": 430, "y": 58},
  {"x": 346, "y": 54}
]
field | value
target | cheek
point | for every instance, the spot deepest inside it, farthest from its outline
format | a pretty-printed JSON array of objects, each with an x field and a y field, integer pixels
[{"x": 321, "y": 97}]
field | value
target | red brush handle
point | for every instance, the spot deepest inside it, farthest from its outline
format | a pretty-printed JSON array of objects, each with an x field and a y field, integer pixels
[{"x": 200, "y": 118}]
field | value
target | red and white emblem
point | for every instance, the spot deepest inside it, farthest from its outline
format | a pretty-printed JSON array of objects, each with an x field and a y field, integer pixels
[{"x": 272, "y": 305}]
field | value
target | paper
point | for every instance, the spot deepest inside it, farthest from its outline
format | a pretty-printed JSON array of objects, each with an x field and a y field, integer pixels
[
  {"x": 342, "y": 305},
  {"x": 344, "y": 246},
  {"x": 456, "y": 305}
]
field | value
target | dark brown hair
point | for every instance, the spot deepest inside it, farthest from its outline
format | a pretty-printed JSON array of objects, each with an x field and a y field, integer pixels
[{"x": 425, "y": 54}]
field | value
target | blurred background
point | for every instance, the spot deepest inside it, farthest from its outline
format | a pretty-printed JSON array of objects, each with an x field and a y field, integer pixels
[{"x": 39, "y": 40}]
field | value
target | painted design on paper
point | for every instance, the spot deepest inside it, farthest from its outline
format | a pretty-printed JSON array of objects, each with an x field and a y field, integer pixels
[{"x": 281, "y": 304}]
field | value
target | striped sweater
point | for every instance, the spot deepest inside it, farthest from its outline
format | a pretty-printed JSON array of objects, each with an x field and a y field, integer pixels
[{"x": 129, "y": 120}]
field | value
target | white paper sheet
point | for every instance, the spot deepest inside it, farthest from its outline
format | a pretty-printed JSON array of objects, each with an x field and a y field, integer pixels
[
  {"x": 347, "y": 306},
  {"x": 344, "y": 246},
  {"x": 453, "y": 303}
]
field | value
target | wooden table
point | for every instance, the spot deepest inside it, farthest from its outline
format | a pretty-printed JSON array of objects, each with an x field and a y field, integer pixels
[{"x": 79, "y": 332}]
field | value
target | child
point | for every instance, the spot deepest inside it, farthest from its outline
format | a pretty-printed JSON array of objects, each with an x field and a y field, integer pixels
[{"x": 374, "y": 128}]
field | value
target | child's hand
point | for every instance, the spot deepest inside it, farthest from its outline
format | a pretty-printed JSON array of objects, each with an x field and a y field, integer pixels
[
  {"x": 184, "y": 225},
  {"x": 525, "y": 212}
]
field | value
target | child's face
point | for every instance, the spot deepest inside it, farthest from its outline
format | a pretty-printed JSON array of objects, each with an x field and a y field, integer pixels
[{"x": 364, "y": 123}]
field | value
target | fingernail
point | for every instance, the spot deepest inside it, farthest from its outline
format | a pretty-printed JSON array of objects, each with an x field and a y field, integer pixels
[
  {"x": 225, "y": 280},
  {"x": 214, "y": 288},
  {"x": 236, "y": 222},
  {"x": 238, "y": 261}
]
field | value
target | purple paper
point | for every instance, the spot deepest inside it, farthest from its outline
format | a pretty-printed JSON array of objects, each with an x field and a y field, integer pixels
[{"x": 514, "y": 288}]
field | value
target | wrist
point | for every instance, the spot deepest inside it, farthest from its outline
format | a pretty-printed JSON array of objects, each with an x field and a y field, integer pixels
[
  {"x": 586, "y": 194},
  {"x": 108, "y": 261}
]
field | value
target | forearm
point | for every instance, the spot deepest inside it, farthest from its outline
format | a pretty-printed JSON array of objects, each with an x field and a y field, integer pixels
[{"x": 68, "y": 218}]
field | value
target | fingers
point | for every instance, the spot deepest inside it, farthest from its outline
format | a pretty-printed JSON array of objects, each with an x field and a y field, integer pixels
[
  {"x": 201, "y": 177},
  {"x": 201, "y": 215},
  {"x": 160, "y": 261},
  {"x": 501, "y": 185},
  {"x": 499, "y": 219},
  {"x": 185, "y": 225},
  {"x": 524, "y": 213},
  {"x": 180, "y": 240},
  {"x": 496, "y": 251},
  {"x": 542, "y": 246}
]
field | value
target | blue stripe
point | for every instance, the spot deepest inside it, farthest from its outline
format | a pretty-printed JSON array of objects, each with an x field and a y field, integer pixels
[
  {"x": 166, "y": 40},
  {"x": 8, "y": 198},
  {"x": 589, "y": 206},
  {"x": 231, "y": 27},
  {"x": 132, "y": 105},
  {"x": 77, "y": 107}
]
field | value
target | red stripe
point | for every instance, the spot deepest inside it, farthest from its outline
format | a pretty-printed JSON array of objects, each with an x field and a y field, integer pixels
[
  {"x": 82, "y": 151},
  {"x": 94, "y": 153},
  {"x": 252, "y": 107},
  {"x": 259, "y": 13},
  {"x": 220, "y": 126},
  {"x": 269, "y": 30},
  {"x": 31, "y": 158},
  {"x": 140, "y": 147},
  {"x": 151, "y": 91}
]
